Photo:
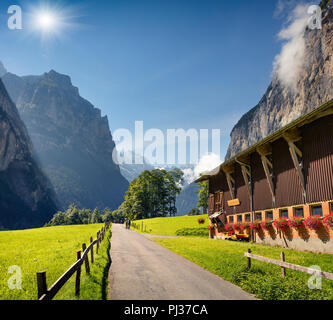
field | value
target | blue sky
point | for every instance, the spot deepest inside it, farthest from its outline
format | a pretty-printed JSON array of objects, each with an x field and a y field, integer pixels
[{"x": 173, "y": 64}]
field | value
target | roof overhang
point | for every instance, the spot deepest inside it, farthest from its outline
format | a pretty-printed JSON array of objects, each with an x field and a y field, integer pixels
[{"x": 215, "y": 215}]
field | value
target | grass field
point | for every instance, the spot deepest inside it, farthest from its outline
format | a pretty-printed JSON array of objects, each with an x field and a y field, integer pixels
[
  {"x": 226, "y": 259},
  {"x": 52, "y": 250},
  {"x": 174, "y": 226}
]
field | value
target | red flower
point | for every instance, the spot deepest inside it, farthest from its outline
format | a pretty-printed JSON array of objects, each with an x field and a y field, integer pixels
[
  {"x": 296, "y": 222},
  {"x": 328, "y": 220},
  {"x": 238, "y": 226},
  {"x": 229, "y": 227},
  {"x": 255, "y": 225},
  {"x": 281, "y": 223},
  {"x": 266, "y": 224},
  {"x": 313, "y": 222}
]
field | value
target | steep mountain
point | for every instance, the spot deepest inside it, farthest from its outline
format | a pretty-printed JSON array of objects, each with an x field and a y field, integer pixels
[
  {"x": 132, "y": 171},
  {"x": 26, "y": 197},
  {"x": 71, "y": 138},
  {"x": 3, "y": 70},
  {"x": 187, "y": 199},
  {"x": 281, "y": 104}
]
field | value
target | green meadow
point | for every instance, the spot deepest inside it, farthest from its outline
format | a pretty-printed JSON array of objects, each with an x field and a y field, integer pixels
[
  {"x": 226, "y": 259},
  {"x": 52, "y": 250},
  {"x": 174, "y": 226}
]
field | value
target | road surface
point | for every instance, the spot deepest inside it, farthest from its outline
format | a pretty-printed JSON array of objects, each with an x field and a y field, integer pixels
[{"x": 143, "y": 270}]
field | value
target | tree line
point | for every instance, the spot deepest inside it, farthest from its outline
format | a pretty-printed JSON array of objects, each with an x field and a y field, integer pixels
[{"x": 152, "y": 194}]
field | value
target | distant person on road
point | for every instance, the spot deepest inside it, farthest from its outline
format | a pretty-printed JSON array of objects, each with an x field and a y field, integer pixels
[{"x": 129, "y": 224}]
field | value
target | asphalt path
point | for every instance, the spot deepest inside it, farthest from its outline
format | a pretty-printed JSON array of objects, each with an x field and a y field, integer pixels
[{"x": 143, "y": 270}]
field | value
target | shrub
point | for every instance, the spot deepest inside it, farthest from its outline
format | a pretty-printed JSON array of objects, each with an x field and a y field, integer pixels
[
  {"x": 328, "y": 221},
  {"x": 201, "y": 220},
  {"x": 192, "y": 232},
  {"x": 296, "y": 222},
  {"x": 313, "y": 222},
  {"x": 194, "y": 212},
  {"x": 281, "y": 223}
]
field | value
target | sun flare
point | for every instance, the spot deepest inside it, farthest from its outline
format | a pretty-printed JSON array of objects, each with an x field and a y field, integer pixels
[{"x": 46, "y": 21}]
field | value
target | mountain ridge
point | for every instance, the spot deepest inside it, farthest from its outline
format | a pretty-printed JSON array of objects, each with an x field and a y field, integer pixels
[{"x": 71, "y": 138}]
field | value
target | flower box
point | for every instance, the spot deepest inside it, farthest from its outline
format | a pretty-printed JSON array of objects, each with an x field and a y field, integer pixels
[
  {"x": 313, "y": 222},
  {"x": 266, "y": 224},
  {"x": 296, "y": 222},
  {"x": 281, "y": 223},
  {"x": 238, "y": 226},
  {"x": 328, "y": 221},
  {"x": 255, "y": 225},
  {"x": 229, "y": 227}
]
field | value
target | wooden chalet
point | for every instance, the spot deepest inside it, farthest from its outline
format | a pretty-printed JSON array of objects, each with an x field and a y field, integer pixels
[{"x": 288, "y": 174}]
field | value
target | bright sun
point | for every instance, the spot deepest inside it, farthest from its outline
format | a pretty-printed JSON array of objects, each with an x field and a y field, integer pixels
[{"x": 46, "y": 21}]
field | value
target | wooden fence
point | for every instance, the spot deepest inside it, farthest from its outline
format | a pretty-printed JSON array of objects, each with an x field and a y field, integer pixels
[
  {"x": 285, "y": 265},
  {"x": 138, "y": 226},
  {"x": 49, "y": 294}
]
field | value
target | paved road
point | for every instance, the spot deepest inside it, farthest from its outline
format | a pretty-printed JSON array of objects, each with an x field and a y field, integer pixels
[{"x": 143, "y": 270}]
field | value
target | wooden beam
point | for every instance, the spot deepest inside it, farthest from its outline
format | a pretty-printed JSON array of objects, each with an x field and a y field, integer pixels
[
  {"x": 246, "y": 175},
  {"x": 265, "y": 149},
  {"x": 265, "y": 163},
  {"x": 293, "y": 135},
  {"x": 231, "y": 188},
  {"x": 229, "y": 169},
  {"x": 295, "y": 159}
]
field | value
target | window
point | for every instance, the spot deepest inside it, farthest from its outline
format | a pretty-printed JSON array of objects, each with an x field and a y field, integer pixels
[
  {"x": 231, "y": 219},
  {"x": 248, "y": 218},
  {"x": 259, "y": 216},
  {"x": 317, "y": 211},
  {"x": 239, "y": 218},
  {"x": 269, "y": 215},
  {"x": 331, "y": 207},
  {"x": 284, "y": 213},
  {"x": 299, "y": 212}
]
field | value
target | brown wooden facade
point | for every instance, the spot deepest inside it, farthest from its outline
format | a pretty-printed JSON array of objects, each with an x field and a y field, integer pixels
[{"x": 292, "y": 168}]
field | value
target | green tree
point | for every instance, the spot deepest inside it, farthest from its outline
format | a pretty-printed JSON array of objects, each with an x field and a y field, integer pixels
[{"x": 203, "y": 196}]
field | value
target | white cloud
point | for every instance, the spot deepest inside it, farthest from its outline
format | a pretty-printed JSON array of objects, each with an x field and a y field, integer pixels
[
  {"x": 289, "y": 62},
  {"x": 207, "y": 163}
]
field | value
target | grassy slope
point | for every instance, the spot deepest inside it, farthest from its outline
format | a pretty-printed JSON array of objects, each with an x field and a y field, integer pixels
[
  {"x": 93, "y": 286},
  {"x": 47, "y": 249},
  {"x": 226, "y": 259},
  {"x": 172, "y": 226}
]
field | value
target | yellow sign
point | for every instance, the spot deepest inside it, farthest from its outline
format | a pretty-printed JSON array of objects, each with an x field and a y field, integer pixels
[{"x": 234, "y": 203}]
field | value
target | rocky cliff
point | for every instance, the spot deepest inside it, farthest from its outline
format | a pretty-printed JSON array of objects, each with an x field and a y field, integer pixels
[
  {"x": 71, "y": 138},
  {"x": 281, "y": 104},
  {"x": 26, "y": 197}
]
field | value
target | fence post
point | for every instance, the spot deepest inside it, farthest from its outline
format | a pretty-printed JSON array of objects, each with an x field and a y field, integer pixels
[
  {"x": 97, "y": 242},
  {"x": 92, "y": 250},
  {"x": 249, "y": 260},
  {"x": 283, "y": 270},
  {"x": 78, "y": 275},
  {"x": 142, "y": 226},
  {"x": 41, "y": 284},
  {"x": 86, "y": 260}
]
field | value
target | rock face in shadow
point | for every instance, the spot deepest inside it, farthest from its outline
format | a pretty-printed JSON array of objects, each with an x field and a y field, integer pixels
[
  {"x": 71, "y": 139},
  {"x": 26, "y": 196},
  {"x": 281, "y": 105}
]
